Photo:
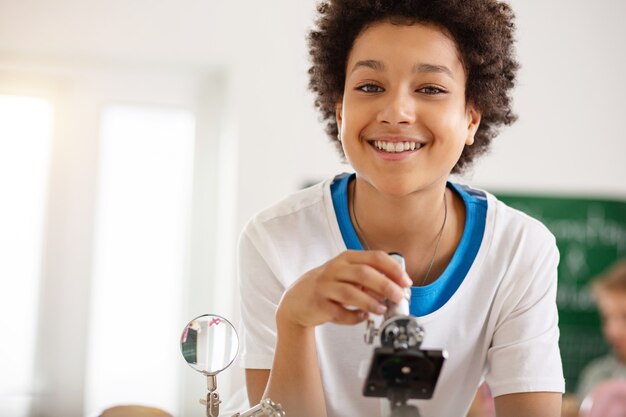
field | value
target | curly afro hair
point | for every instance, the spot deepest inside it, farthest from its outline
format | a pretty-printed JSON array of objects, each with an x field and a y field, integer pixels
[{"x": 482, "y": 29}]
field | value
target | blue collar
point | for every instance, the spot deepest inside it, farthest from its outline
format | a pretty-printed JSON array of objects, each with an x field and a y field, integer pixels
[{"x": 429, "y": 298}]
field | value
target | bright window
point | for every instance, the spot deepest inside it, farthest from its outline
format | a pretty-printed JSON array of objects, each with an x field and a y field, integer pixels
[
  {"x": 25, "y": 135},
  {"x": 143, "y": 210}
]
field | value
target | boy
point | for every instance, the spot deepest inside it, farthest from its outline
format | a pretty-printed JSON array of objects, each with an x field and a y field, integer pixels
[
  {"x": 411, "y": 91},
  {"x": 609, "y": 291}
]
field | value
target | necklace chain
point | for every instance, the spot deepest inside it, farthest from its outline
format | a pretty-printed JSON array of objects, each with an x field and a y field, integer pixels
[{"x": 439, "y": 234}]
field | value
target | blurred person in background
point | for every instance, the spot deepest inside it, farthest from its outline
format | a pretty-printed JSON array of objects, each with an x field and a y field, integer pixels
[{"x": 609, "y": 291}]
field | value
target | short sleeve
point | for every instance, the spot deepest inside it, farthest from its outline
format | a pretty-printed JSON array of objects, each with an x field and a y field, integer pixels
[
  {"x": 260, "y": 292},
  {"x": 524, "y": 355}
]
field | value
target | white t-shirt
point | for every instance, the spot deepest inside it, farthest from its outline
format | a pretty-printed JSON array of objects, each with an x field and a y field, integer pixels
[{"x": 493, "y": 309}]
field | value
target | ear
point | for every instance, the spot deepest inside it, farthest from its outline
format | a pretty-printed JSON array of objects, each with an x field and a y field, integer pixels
[
  {"x": 339, "y": 117},
  {"x": 473, "y": 117}
]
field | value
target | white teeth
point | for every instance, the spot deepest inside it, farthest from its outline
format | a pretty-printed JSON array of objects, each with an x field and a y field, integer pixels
[{"x": 394, "y": 147}]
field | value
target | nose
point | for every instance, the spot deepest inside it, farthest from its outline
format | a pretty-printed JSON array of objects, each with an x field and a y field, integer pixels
[{"x": 398, "y": 108}]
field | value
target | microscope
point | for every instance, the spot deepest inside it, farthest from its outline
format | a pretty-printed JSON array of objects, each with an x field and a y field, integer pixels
[{"x": 400, "y": 370}]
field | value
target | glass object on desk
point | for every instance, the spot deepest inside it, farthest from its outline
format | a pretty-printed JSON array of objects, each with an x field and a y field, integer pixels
[{"x": 209, "y": 344}]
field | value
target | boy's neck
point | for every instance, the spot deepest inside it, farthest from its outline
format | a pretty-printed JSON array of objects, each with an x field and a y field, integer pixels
[{"x": 409, "y": 225}]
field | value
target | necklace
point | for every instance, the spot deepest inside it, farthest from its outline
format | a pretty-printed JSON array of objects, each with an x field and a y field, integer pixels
[{"x": 439, "y": 234}]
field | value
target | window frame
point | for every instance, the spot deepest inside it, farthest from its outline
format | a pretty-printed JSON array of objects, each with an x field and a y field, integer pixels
[{"x": 78, "y": 93}]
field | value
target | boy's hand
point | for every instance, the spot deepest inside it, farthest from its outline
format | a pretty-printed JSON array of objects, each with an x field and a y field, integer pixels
[{"x": 360, "y": 280}]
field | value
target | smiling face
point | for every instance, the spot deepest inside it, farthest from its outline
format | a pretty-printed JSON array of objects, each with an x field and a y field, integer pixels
[{"x": 403, "y": 120}]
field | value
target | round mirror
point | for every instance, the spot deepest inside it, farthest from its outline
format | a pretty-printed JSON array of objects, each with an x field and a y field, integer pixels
[{"x": 209, "y": 344}]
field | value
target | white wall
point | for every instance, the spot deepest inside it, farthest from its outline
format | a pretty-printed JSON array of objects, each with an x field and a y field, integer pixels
[
  {"x": 570, "y": 138},
  {"x": 570, "y": 135}
]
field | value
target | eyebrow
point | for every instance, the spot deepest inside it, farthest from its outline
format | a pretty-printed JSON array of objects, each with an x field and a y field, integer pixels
[
  {"x": 419, "y": 68},
  {"x": 369, "y": 63},
  {"x": 433, "y": 68}
]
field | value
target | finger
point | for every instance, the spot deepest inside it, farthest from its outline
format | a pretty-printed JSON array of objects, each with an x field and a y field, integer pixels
[
  {"x": 382, "y": 262},
  {"x": 372, "y": 281},
  {"x": 381, "y": 298},
  {"x": 347, "y": 294},
  {"x": 340, "y": 315}
]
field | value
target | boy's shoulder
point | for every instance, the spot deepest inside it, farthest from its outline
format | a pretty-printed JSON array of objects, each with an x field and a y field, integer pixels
[
  {"x": 294, "y": 202},
  {"x": 503, "y": 217},
  {"x": 296, "y": 234},
  {"x": 299, "y": 208},
  {"x": 603, "y": 364}
]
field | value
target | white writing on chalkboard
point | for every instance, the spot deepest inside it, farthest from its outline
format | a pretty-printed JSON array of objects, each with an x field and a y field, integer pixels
[
  {"x": 573, "y": 297},
  {"x": 596, "y": 229}
]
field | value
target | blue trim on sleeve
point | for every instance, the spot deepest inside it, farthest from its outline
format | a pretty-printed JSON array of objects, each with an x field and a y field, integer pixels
[{"x": 427, "y": 299}]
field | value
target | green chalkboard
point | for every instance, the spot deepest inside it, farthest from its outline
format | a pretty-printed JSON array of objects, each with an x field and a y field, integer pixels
[
  {"x": 591, "y": 236},
  {"x": 190, "y": 345}
]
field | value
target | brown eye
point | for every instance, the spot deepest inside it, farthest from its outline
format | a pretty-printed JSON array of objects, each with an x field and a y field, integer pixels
[
  {"x": 369, "y": 88},
  {"x": 431, "y": 90}
]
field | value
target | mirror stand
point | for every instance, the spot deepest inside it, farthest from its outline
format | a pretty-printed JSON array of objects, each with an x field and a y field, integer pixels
[
  {"x": 209, "y": 344},
  {"x": 212, "y": 401}
]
